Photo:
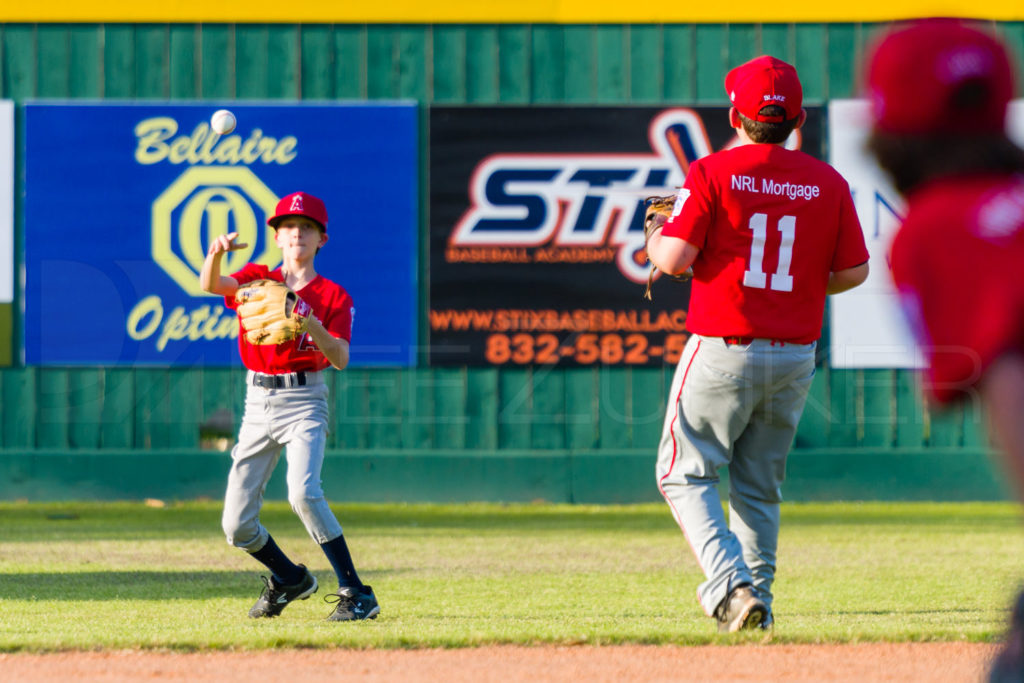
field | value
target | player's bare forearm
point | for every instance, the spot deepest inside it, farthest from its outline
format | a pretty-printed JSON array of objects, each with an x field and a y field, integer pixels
[
  {"x": 845, "y": 280},
  {"x": 670, "y": 254},
  {"x": 335, "y": 350},
  {"x": 209, "y": 276},
  {"x": 210, "y": 279}
]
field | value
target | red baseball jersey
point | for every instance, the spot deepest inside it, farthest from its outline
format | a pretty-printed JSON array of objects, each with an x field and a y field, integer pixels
[
  {"x": 332, "y": 306},
  {"x": 771, "y": 224},
  {"x": 957, "y": 263}
]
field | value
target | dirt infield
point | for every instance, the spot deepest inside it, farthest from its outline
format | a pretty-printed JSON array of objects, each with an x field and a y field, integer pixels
[{"x": 960, "y": 662}]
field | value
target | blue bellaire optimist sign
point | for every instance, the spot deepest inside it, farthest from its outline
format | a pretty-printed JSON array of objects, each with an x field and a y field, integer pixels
[{"x": 122, "y": 200}]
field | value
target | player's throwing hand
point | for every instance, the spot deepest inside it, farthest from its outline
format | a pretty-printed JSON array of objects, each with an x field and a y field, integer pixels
[{"x": 225, "y": 243}]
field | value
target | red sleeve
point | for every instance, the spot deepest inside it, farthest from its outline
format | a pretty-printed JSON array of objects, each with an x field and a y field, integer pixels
[
  {"x": 946, "y": 329},
  {"x": 250, "y": 272},
  {"x": 850, "y": 247},
  {"x": 693, "y": 213},
  {"x": 339, "y": 319}
]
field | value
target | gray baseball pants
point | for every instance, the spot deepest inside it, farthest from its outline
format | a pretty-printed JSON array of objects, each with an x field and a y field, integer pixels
[
  {"x": 734, "y": 406},
  {"x": 294, "y": 418}
]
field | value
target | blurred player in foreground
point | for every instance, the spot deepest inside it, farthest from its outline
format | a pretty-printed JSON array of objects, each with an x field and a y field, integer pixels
[
  {"x": 286, "y": 406},
  {"x": 939, "y": 90},
  {"x": 769, "y": 232}
]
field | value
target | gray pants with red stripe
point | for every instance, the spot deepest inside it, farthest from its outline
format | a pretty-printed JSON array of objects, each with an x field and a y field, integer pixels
[
  {"x": 294, "y": 418},
  {"x": 735, "y": 406}
]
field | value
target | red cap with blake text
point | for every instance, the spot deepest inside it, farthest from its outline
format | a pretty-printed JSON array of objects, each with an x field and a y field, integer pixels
[
  {"x": 939, "y": 76},
  {"x": 300, "y": 204},
  {"x": 762, "y": 81}
]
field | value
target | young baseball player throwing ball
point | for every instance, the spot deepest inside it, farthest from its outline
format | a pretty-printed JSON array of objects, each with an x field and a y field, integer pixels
[
  {"x": 768, "y": 232},
  {"x": 939, "y": 91},
  {"x": 294, "y": 325}
]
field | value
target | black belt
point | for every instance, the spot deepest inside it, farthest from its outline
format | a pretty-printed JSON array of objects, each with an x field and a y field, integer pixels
[{"x": 292, "y": 379}]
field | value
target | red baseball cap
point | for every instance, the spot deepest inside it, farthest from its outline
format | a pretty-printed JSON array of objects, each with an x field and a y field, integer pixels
[
  {"x": 762, "y": 81},
  {"x": 300, "y": 204},
  {"x": 916, "y": 71}
]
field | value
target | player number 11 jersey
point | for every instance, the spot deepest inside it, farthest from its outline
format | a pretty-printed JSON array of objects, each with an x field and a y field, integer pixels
[{"x": 771, "y": 225}]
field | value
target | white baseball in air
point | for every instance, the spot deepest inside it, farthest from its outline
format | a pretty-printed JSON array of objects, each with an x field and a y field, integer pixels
[{"x": 222, "y": 122}]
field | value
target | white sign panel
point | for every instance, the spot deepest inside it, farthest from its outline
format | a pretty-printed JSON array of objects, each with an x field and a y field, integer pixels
[
  {"x": 6, "y": 201},
  {"x": 867, "y": 326}
]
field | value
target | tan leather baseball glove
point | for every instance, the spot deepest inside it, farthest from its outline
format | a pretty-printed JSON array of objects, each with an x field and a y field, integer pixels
[
  {"x": 659, "y": 210},
  {"x": 270, "y": 312}
]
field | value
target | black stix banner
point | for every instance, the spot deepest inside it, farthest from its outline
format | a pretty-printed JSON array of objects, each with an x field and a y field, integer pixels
[{"x": 536, "y": 230}]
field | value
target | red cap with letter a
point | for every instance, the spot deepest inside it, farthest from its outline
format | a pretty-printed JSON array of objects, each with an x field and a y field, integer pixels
[
  {"x": 939, "y": 76},
  {"x": 300, "y": 204},
  {"x": 763, "y": 81}
]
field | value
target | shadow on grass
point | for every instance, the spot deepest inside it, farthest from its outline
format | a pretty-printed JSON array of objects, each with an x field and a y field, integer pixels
[
  {"x": 141, "y": 585},
  {"x": 97, "y": 521}
]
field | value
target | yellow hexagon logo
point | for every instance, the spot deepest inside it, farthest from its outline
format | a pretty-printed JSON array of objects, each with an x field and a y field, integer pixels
[{"x": 204, "y": 202}]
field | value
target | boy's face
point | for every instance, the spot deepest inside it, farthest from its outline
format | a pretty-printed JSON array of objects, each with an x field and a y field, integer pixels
[{"x": 299, "y": 237}]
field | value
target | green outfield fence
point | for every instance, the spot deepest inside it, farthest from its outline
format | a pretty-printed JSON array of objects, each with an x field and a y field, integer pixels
[
  {"x": 576, "y": 435},
  {"x": 583, "y": 435}
]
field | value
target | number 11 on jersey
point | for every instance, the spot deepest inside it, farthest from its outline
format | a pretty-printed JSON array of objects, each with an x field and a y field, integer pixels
[{"x": 755, "y": 276}]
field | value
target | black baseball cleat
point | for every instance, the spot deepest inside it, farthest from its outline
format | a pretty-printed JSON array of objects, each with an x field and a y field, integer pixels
[
  {"x": 275, "y": 598},
  {"x": 354, "y": 604},
  {"x": 741, "y": 609}
]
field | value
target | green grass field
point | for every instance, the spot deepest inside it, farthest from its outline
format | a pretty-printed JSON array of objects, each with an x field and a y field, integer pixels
[{"x": 92, "y": 575}]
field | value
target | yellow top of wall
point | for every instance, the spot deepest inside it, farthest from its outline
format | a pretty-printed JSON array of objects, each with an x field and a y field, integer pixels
[{"x": 496, "y": 11}]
